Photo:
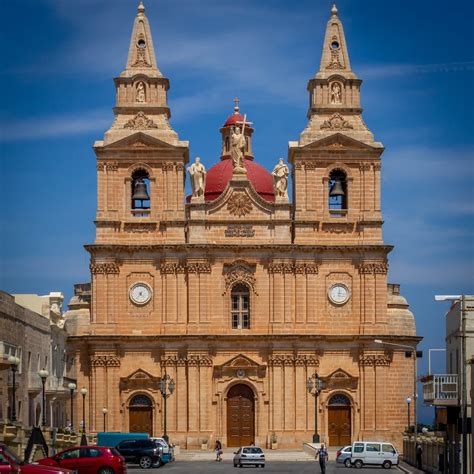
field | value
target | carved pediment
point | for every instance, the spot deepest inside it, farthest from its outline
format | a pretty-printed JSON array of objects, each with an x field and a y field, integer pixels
[
  {"x": 140, "y": 379},
  {"x": 339, "y": 141},
  {"x": 240, "y": 366},
  {"x": 139, "y": 140},
  {"x": 340, "y": 379},
  {"x": 239, "y": 271}
]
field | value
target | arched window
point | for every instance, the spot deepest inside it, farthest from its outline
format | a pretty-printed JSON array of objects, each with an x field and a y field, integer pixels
[
  {"x": 140, "y": 401},
  {"x": 337, "y": 192},
  {"x": 140, "y": 192},
  {"x": 227, "y": 144},
  {"x": 240, "y": 302},
  {"x": 339, "y": 400}
]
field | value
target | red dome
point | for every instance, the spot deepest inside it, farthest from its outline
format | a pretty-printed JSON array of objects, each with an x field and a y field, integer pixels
[
  {"x": 233, "y": 119},
  {"x": 221, "y": 173}
]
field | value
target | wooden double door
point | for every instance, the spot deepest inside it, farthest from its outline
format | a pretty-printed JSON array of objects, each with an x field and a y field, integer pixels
[
  {"x": 141, "y": 420},
  {"x": 240, "y": 416},
  {"x": 339, "y": 425}
]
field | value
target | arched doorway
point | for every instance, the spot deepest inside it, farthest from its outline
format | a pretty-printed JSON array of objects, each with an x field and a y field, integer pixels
[
  {"x": 339, "y": 420},
  {"x": 141, "y": 415},
  {"x": 240, "y": 416}
]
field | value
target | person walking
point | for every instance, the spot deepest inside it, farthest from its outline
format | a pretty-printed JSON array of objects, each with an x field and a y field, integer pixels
[
  {"x": 322, "y": 455},
  {"x": 218, "y": 450}
]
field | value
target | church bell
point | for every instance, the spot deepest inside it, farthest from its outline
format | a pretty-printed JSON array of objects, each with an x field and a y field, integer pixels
[
  {"x": 139, "y": 191},
  {"x": 336, "y": 189}
]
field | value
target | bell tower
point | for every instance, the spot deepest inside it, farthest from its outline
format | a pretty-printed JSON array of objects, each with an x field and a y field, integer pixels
[
  {"x": 141, "y": 161},
  {"x": 336, "y": 162}
]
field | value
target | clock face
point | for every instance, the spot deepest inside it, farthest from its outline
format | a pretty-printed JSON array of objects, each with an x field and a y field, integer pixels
[
  {"x": 140, "y": 293},
  {"x": 339, "y": 293}
]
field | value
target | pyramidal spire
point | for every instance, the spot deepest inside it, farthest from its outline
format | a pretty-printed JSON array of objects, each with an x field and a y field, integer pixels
[
  {"x": 334, "y": 57},
  {"x": 141, "y": 54}
]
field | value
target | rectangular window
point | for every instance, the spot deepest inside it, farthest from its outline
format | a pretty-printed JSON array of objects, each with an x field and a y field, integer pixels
[
  {"x": 245, "y": 321},
  {"x": 358, "y": 448},
  {"x": 388, "y": 448},
  {"x": 373, "y": 447},
  {"x": 235, "y": 320}
]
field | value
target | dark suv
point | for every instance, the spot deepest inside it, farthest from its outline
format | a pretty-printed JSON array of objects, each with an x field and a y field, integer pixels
[{"x": 140, "y": 451}]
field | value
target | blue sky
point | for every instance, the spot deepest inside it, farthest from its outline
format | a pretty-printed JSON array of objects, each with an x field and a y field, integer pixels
[{"x": 416, "y": 60}]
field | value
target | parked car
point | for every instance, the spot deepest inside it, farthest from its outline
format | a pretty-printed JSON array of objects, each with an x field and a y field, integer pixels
[
  {"x": 88, "y": 460},
  {"x": 374, "y": 453},
  {"x": 11, "y": 464},
  {"x": 113, "y": 438},
  {"x": 344, "y": 456},
  {"x": 167, "y": 454},
  {"x": 252, "y": 455},
  {"x": 143, "y": 452}
]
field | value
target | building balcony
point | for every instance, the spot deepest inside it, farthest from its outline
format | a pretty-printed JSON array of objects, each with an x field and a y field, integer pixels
[{"x": 441, "y": 390}]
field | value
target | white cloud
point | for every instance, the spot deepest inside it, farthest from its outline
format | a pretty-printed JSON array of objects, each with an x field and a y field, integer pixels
[{"x": 54, "y": 126}]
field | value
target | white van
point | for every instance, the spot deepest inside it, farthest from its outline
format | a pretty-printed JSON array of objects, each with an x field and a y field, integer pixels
[{"x": 374, "y": 452}]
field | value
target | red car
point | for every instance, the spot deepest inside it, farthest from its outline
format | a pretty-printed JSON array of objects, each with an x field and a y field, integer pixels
[
  {"x": 88, "y": 460},
  {"x": 10, "y": 464}
]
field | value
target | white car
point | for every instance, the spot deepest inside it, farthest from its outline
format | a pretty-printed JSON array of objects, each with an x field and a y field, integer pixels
[
  {"x": 252, "y": 455},
  {"x": 374, "y": 453}
]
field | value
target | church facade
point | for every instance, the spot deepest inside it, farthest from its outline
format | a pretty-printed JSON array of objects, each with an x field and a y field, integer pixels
[{"x": 258, "y": 311}]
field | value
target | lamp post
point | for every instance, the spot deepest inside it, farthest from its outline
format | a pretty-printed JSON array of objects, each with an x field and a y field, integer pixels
[
  {"x": 415, "y": 396},
  {"x": 43, "y": 374},
  {"x": 462, "y": 374},
  {"x": 314, "y": 386},
  {"x": 408, "y": 413},
  {"x": 83, "y": 436},
  {"x": 13, "y": 361},
  {"x": 72, "y": 387},
  {"x": 104, "y": 411},
  {"x": 167, "y": 386}
]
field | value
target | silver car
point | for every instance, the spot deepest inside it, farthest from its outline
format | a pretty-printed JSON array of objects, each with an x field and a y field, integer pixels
[
  {"x": 344, "y": 456},
  {"x": 249, "y": 455}
]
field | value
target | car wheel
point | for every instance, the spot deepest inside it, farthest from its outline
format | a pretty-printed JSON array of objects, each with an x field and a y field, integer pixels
[
  {"x": 358, "y": 464},
  {"x": 145, "y": 462},
  {"x": 106, "y": 470},
  {"x": 387, "y": 465},
  {"x": 347, "y": 462}
]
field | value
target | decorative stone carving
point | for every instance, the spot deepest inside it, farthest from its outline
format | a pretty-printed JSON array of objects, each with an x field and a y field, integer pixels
[
  {"x": 197, "y": 173},
  {"x": 170, "y": 268},
  {"x": 239, "y": 204},
  {"x": 140, "y": 53},
  {"x": 364, "y": 166},
  {"x": 335, "y": 62},
  {"x": 336, "y": 122},
  {"x": 199, "y": 267},
  {"x": 111, "y": 165},
  {"x": 336, "y": 93},
  {"x": 290, "y": 267},
  {"x": 168, "y": 166},
  {"x": 141, "y": 93},
  {"x": 373, "y": 360},
  {"x": 109, "y": 268},
  {"x": 239, "y": 272},
  {"x": 105, "y": 361},
  {"x": 140, "y": 227},
  {"x": 239, "y": 230},
  {"x": 280, "y": 180},
  {"x": 287, "y": 359},
  {"x": 140, "y": 380},
  {"x": 378, "y": 268},
  {"x": 140, "y": 122}
]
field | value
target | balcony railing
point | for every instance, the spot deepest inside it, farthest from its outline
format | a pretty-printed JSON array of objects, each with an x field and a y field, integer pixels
[{"x": 441, "y": 390}]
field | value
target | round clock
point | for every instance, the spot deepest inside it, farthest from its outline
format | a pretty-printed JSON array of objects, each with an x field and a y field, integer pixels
[
  {"x": 140, "y": 293},
  {"x": 240, "y": 373},
  {"x": 339, "y": 293}
]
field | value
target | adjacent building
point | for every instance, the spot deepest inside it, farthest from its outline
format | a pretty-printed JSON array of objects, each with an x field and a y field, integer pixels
[{"x": 237, "y": 294}]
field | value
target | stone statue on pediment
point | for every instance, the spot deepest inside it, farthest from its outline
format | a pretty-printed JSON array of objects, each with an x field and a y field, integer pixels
[
  {"x": 197, "y": 173},
  {"x": 280, "y": 180},
  {"x": 237, "y": 148}
]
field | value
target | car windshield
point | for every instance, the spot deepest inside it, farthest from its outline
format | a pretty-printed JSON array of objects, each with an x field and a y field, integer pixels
[
  {"x": 12, "y": 456},
  {"x": 114, "y": 452}
]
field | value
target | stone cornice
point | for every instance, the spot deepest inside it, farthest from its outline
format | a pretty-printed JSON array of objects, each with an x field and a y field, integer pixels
[{"x": 290, "y": 249}]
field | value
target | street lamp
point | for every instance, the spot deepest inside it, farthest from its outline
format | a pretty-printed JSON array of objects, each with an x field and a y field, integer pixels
[
  {"x": 408, "y": 412},
  {"x": 43, "y": 374},
  {"x": 415, "y": 396},
  {"x": 104, "y": 411},
  {"x": 462, "y": 302},
  {"x": 83, "y": 436},
  {"x": 13, "y": 361},
  {"x": 72, "y": 387},
  {"x": 314, "y": 385},
  {"x": 167, "y": 386}
]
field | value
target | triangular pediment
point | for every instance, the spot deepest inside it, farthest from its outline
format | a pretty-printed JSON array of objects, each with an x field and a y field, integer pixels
[
  {"x": 240, "y": 366},
  {"x": 138, "y": 141},
  {"x": 340, "y": 379},
  {"x": 339, "y": 141},
  {"x": 140, "y": 374},
  {"x": 139, "y": 379},
  {"x": 240, "y": 362}
]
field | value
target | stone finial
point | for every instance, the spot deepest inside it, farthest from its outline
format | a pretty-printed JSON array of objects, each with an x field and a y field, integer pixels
[
  {"x": 141, "y": 8},
  {"x": 334, "y": 9},
  {"x": 236, "y": 106}
]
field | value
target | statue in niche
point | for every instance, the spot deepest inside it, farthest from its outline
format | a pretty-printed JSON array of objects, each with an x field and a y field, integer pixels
[
  {"x": 280, "y": 179},
  {"x": 197, "y": 173},
  {"x": 141, "y": 96},
  {"x": 336, "y": 93},
  {"x": 237, "y": 148}
]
